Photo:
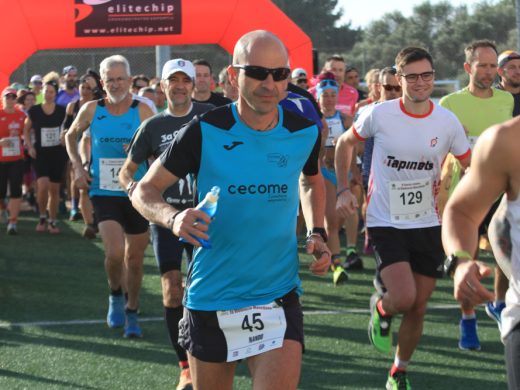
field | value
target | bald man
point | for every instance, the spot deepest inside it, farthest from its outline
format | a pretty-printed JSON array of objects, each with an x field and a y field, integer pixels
[{"x": 242, "y": 296}]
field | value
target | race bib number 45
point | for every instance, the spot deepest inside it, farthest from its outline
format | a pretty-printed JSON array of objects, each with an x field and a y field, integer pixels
[
  {"x": 108, "y": 173},
  {"x": 410, "y": 200},
  {"x": 252, "y": 330}
]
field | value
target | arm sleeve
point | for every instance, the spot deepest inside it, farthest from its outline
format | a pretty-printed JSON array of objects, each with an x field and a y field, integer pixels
[
  {"x": 311, "y": 166},
  {"x": 140, "y": 148},
  {"x": 184, "y": 153}
]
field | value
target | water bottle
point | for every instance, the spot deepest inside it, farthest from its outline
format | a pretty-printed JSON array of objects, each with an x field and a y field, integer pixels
[{"x": 209, "y": 206}]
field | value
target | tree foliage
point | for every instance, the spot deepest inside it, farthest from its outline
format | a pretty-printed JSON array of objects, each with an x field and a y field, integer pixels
[{"x": 442, "y": 28}]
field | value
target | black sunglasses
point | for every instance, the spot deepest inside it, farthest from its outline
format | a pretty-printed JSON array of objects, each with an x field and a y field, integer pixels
[
  {"x": 10, "y": 96},
  {"x": 261, "y": 73},
  {"x": 396, "y": 88}
]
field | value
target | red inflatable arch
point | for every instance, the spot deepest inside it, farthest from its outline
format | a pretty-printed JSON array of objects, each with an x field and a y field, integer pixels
[{"x": 29, "y": 25}]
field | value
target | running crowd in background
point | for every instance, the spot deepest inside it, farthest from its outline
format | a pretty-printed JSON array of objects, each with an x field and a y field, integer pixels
[{"x": 386, "y": 164}]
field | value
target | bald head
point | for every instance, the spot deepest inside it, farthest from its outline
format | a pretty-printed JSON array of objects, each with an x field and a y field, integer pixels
[{"x": 258, "y": 41}]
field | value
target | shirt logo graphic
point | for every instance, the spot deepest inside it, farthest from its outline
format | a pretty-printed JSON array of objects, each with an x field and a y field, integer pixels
[
  {"x": 433, "y": 142},
  {"x": 233, "y": 145},
  {"x": 279, "y": 159},
  {"x": 101, "y": 117}
]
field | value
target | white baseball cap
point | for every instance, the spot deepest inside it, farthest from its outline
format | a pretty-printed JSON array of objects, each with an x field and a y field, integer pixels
[
  {"x": 178, "y": 65},
  {"x": 299, "y": 73},
  {"x": 36, "y": 78}
]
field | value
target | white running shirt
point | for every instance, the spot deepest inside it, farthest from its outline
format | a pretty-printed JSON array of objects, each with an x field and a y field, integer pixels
[{"x": 406, "y": 164}]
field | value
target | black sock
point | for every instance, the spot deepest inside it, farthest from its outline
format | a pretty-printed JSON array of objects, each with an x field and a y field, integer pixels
[
  {"x": 117, "y": 292},
  {"x": 172, "y": 317}
]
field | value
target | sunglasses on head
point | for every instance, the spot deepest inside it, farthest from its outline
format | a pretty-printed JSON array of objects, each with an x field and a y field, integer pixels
[
  {"x": 396, "y": 88},
  {"x": 328, "y": 83},
  {"x": 10, "y": 96},
  {"x": 261, "y": 73}
]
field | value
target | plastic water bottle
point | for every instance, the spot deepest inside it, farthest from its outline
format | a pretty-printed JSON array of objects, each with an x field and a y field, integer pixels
[{"x": 209, "y": 206}]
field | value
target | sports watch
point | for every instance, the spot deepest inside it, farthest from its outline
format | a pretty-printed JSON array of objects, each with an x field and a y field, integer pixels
[
  {"x": 451, "y": 262},
  {"x": 320, "y": 231}
]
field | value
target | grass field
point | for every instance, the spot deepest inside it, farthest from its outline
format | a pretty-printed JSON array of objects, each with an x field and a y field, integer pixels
[{"x": 53, "y": 298}]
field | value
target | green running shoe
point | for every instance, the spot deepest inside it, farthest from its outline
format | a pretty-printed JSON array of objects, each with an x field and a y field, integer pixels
[
  {"x": 379, "y": 332},
  {"x": 398, "y": 382},
  {"x": 339, "y": 275}
]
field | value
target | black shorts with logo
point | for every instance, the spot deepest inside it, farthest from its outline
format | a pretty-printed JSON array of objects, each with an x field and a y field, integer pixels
[
  {"x": 119, "y": 209},
  {"x": 201, "y": 336},
  {"x": 421, "y": 247}
]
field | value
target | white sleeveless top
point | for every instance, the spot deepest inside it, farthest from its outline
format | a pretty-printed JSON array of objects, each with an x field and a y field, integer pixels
[{"x": 511, "y": 313}]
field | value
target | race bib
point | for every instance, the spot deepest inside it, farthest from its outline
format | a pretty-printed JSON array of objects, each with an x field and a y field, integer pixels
[
  {"x": 50, "y": 136},
  {"x": 13, "y": 149},
  {"x": 108, "y": 173},
  {"x": 252, "y": 330},
  {"x": 410, "y": 200}
]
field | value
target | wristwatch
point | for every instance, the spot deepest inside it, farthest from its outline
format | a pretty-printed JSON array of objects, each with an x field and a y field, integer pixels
[
  {"x": 318, "y": 230},
  {"x": 451, "y": 262}
]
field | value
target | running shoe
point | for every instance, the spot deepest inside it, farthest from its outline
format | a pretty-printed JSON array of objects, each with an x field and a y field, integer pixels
[
  {"x": 378, "y": 283},
  {"x": 89, "y": 232},
  {"x": 185, "y": 382},
  {"x": 398, "y": 381},
  {"x": 339, "y": 275},
  {"x": 42, "y": 225},
  {"x": 52, "y": 228},
  {"x": 116, "y": 311},
  {"x": 468, "y": 335},
  {"x": 353, "y": 262},
  {"x": 379, "y": 332},
  {"x": 11, "y": 229},
  {"x": 495, "y": 313},
  {"x": 75, "y": 215},
  {"x": 132, "y": 328}
]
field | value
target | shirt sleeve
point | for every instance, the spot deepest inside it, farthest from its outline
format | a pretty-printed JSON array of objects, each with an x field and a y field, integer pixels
[
  {"x": 140, "y": 148},
  {"x": 460, "y": 147},
  {"x": 184, "y": 153},
  {"x": 363, "y": 127},
  {"x": 311, "y": 167}
]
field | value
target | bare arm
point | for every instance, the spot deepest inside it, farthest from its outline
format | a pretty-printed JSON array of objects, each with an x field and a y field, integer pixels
[
  {"x": 467, "y": 207},
  {"x": 148, "y": 200},
  {"x": 27, "y": 137},
  {"x": 499, "y": 233},
  {"x": 126, "y": 175},
  {"x": 345, "y": 151},
  {"x": 312, "y": 194},
  {"x": 80, "y": 124}
]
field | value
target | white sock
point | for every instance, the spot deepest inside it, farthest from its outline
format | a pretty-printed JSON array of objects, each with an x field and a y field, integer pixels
[{"x": 401, "y": 364}]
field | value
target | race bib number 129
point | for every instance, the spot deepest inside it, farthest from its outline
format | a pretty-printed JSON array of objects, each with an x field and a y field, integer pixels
[{"x": 410, "y": 200}]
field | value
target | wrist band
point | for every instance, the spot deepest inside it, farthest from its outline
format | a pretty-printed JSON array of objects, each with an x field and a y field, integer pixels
[
  {"x": 171, "y": 221},
  {"x": 342, "y": 191}
]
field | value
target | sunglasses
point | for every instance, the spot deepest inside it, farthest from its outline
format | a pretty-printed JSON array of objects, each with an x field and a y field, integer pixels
[
  {"x": 301, "y": 81},
  {"x": 10, "y": 96},
  {"x": 413, "y": 77},
  {"x": 396, "y": 88},
  {"x": 328, "y": 83},
  {"x": 261, "y": 73}
]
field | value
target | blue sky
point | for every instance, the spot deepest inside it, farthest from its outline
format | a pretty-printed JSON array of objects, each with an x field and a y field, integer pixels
[{"x": 362, "y": 12}]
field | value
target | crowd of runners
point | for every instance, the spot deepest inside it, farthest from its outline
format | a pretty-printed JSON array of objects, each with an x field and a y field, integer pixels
[{"x": 130, "y": 156}]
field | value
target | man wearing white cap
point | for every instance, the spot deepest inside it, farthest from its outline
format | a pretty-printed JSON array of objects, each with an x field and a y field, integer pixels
[
  {"x": 299, "y": 78},
  {"x": 151, "y": 139},
  {"x": 36, "y": 84},
  {"x": 509, "y": 72}
]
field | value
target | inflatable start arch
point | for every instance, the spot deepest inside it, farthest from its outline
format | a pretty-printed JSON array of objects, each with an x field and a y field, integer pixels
[{"x": 28, "y": 26}]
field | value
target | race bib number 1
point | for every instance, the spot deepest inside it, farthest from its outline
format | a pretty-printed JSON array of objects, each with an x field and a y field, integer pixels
[
  {"x": 410, "y": 200},
  {"x": 13, "y": 149},
  {"x": 108, "y": 173},
  {"x": 50, "y": 136},
  {"x": 252, "y": 330}
]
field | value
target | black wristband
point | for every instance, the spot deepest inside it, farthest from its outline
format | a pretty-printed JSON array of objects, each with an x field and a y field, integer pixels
[
  {"x": 171, "y": 221},
  {"x": 320, "y": 231}
]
